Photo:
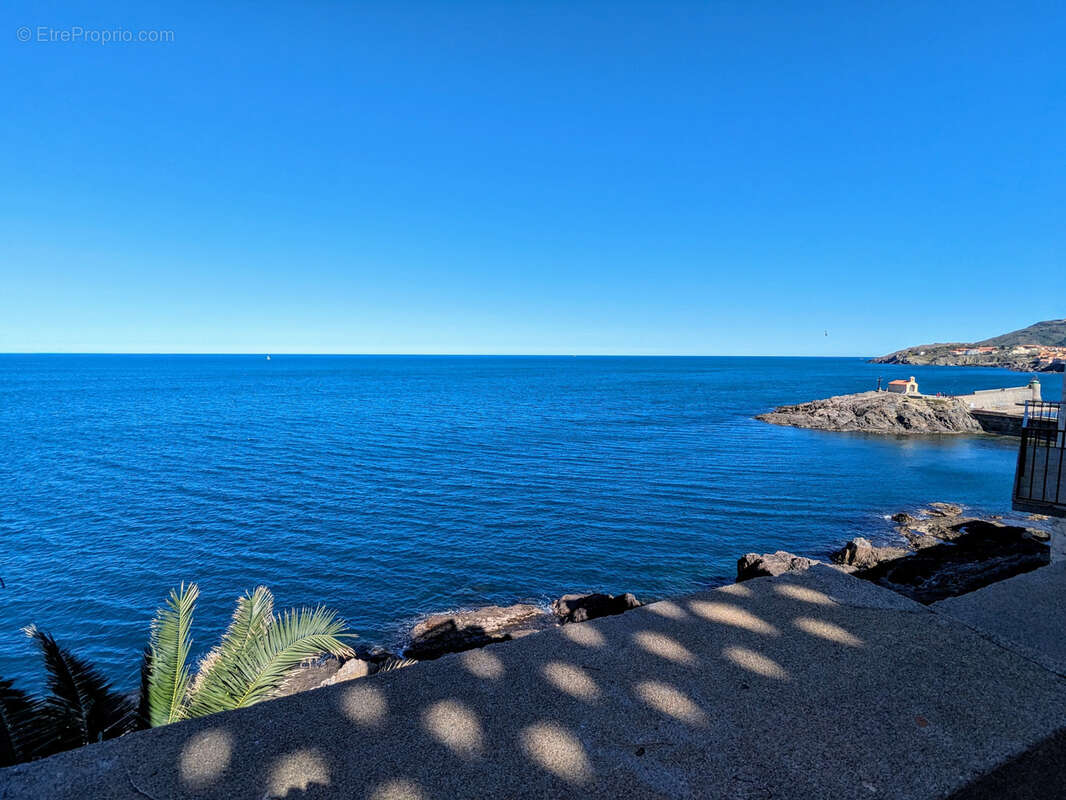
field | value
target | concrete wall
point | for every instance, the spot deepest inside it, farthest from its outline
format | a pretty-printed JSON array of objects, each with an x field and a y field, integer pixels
[
  {"x": 1000, "y": 422},
  {"x": 1011, "y": 399}
]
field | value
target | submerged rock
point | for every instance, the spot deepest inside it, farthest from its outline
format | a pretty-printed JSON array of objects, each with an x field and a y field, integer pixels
[
  {"x": 581, "y": 607},
  {"x": 860, "y": 553},
  {"x": 465, "y": 630},
  {"x": 753, "y": 565},
  {"x": 944, "y": 510},
  {"x": 878, "y": 412}
]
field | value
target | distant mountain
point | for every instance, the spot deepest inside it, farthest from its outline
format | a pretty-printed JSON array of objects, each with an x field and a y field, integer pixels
[
  {"x": 1038, "y": 348},
  {"x": 1050, "y": 334}
]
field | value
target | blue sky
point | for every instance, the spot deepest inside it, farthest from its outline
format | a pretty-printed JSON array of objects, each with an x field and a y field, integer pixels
[{"x": 531, "y": 177}]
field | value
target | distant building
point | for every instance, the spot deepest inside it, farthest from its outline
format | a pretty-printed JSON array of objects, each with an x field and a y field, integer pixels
[{"x": 904, "y": 387}]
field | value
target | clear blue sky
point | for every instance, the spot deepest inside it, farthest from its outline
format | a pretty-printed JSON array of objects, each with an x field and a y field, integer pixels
[{"x": 532, "y": 177}]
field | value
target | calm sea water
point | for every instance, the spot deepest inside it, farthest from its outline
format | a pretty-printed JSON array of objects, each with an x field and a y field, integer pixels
[{"x": 388, "y": 487}]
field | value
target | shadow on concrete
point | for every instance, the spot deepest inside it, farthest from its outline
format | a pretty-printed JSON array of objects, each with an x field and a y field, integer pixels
[
  {"x": 1037, "y": 774},
  {"x": 768, "y": 688}
]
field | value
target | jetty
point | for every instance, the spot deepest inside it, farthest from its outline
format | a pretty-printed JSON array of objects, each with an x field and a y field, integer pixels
[{"x": 900, "y": 408}]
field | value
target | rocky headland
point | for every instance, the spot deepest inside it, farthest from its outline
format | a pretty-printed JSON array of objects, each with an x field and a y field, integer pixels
[
  {"x": 1038, "y": 348},
  {"x": 878, "y": 412}
]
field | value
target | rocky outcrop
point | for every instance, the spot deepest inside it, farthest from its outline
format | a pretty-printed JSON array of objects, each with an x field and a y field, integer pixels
[
  {"x": 350, "y": 670},
  {"x": 948, "y": 553},
  {"x": 878, "y": 412},
  {"x": 326, "y": 671},
  {"x": 582, "y": 607},
  {"x": 952, "y": 553},
  {"x": 753, "y": 565},
  {"x": 943, "y": 510},
  {"x": 981, "y": 553},
  {"x": 465, "y": 630},
  {"x": 861, "y": 554}
]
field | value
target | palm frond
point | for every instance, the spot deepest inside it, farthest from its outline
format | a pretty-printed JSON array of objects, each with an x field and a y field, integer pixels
[
  {"x": 17, "y": 712},
  {"x": 258, "y": 674},
  {"x": 170, "y": 643},
  {"x": 144, "y": 712},
  {"x": 251, "y": 618},
  {"x": 394, "y": 664},
  {"x": 81, "y": 707}
]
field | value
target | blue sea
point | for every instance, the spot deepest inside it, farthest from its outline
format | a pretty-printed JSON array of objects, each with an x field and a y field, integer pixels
[{"x": 388, "y": 487}]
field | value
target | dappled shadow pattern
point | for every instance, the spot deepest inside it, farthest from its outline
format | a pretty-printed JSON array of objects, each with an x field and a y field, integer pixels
[{"x": 770, "y": 688}]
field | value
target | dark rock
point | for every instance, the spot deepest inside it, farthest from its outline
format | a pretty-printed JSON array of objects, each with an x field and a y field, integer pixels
[
  {"x": 375, "y": 654},
  {"x": 753, "y": 565},
  {"x": 465, "y": 630},
  {"x": 940, "y": 522},
  {"x": 581, "y": 607},
  {"x": 860, "y": 553},
  {"x": 981, "y": 553},
  {"x": 919, "y": 540}
]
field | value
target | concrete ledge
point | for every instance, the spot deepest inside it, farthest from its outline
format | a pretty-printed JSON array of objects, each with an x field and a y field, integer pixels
[{"x": 813, "y": 685}]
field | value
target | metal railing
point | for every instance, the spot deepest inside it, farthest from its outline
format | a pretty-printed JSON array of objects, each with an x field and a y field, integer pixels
[
  {"x": 1038, "y": 410},
  {"x": 1038, "y": 479}
]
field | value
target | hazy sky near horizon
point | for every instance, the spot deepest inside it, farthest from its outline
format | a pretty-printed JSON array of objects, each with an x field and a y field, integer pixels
[{"x": 531, "y": 177}]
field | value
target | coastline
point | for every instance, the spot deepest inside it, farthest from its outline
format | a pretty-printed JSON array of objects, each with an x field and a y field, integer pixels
[
  {"x": 935, "y": 553},
  {"x": 708, "y": 694}
]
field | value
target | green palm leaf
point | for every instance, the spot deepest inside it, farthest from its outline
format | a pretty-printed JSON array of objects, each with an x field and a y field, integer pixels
[
  {"x": 81, "y": 707},
  {"x": 259, "y": 671},
  {"x": 17, "y": 712},
  {"x": 211, "y": 690},
  {"x": 170, "y": 643}
]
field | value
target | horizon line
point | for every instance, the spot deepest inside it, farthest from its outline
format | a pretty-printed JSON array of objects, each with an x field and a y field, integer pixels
[{"x": 264, "y": 354}]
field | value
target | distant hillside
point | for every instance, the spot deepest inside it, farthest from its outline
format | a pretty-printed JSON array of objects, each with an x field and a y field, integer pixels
[
  {"x": 1051, "y": 334},
  {"x": 1038, "y": 348}
]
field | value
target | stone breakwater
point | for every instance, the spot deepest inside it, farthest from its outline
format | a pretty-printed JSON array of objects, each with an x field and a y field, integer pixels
[{"x": 878, "y": 412}]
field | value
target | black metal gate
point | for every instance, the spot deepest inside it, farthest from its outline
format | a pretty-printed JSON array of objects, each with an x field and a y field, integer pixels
[{"x": 1038, "y": 480}]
